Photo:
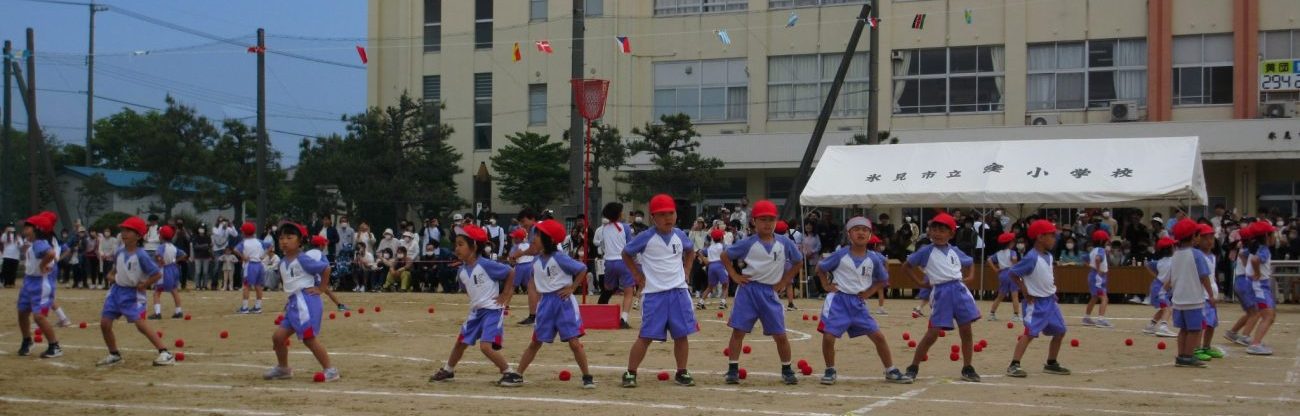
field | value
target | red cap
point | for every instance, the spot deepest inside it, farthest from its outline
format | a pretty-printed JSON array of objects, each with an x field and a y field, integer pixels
[
  {"x": 781, "y": 226},
  {"x": 519, "y": 234},
  {"x": 54, "y": 218},
  {"x": 1186, "y": 229},
  {"x": 40, "y": 222},
  {"x": 1100, "y": 236},
  {"x": 1247, "y": 232},
  {"x": 1040, "y": 227},
  {"x": 475, "y": 233},
  {"x": 249, "y": 228},
  {"x": 662, "y": 203},
  {"x": 552, "y": 229},
  {"x": 874, "y": 240},
  {"x": 716, "y": 234},
  {"x": 1164, "y": 243},
  {"x": 134, "y": 224},
  {"x": 1005, "y": 238},
  {"x": 944, "y": 219},
  {"x": 166, "y": 232},
  {"x": 763, "y": 208},
  {"x": 1261, "y": 228},
  {"x": 1206, "y": 229},
  {"x": 320, "y": 241}
]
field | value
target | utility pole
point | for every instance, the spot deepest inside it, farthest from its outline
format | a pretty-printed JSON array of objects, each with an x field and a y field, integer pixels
[
  {"x": 814, "y": 142},
  {"x": 261, "y": 127},
  {"x": 873, "y": 81},
  {"x": 90, "y": 80},
  {"x": 35, "y": 143},
  {"x": 577, "y": 142},
  {"x": 6, "y": 191}
]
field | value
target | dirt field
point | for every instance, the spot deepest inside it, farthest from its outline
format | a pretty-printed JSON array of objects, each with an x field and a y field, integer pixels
[{"x": 386, "y": 358}]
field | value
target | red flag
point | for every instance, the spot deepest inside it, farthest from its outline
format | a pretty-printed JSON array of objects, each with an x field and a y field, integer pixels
[
  {"x": 256, "y": 49},
  {"x": 624, "y": 44},
  {"x": 361, "y": 51},
  {"x": 544, "y": 46},
  {"x": 517, "y": 56}
]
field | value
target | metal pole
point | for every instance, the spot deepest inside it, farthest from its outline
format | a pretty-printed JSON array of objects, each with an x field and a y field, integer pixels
[
  {"x": 262, "y": 207},
  {"x": 577, "y": 143},
  {"x": 6, "y": 191},
  {"x": 873, "y": 81},
  {"x": 90, "y": 81},
  {"x": 796, "y": 187},
  {"x": 33, "y": 129}
]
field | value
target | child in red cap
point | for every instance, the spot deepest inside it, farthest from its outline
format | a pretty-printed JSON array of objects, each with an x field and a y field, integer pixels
[
  {"x": 1035, "y": 275},
  {"x": 783, "y": 229},
  {"x": 1098, "y": 279},
  {"x": 1158, "y": 295},
  {"x": 659, "y": 259},
  {"x": 1002, "y": 261},
  {"x": 251, "y": 252},
  {"x": 1259, "y": 270},
  {"x": 304, "y": 280},
  {"x": 1206, "y": 244},
  {"x": 768, "y": 271},
  {"x": 168, "y": 255},
  {"x": 134, "y": 271},
  {"x": 319, "y": 243},
  {"x": 482, "y": 279},
  {"x": 556, "y": 276},
  {"x": 1189, "y": 287},
  {"x": 36, "y": 297},
  {"x": 944, "y": 268},
  {"x": 717, "y": 273}
]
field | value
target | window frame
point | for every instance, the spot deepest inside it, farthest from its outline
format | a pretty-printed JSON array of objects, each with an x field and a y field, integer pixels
[
  {"x": 437, "y": 25},
  {"x": 947, "y": 76},
  {"x": 660, "y": 8},
  {"x": 1206, "y": 72},
  {"x": 1087, "y": 70},
  {"x": 794, "y": 4},
  {"x": 732, "y": 113},
  {"x": 1265, "y": 96},
  {"x": 822, "y": 85},
  {"x": 480, "y": 100},
  {"x": 535, "y": 109},
  {"x": 483, "y": 44}
]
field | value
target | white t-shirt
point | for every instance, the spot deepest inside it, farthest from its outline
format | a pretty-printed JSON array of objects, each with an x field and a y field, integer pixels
[
  {"x": 12, "y": 242},
  {"x": 765, "y": 263},
  {"x": 1036, "y": 271},
  {"x": 301, "y": 272},
  {"x": 661, "y": 257},
  {"x": 612, "y": 238},
  {"x": 556, "y": 272},
  {"x": 480, "y": 281},
  {"x": 252, "y": 249},
  {"x": 854, "y": 275},
  {"x": 941, "y": 264},
  {"x": 1186, "y": 266},
  {"x": 133, "y": 268},
  {"x": 714, "y": 252},
  {"x": 1098, "y": 253}
]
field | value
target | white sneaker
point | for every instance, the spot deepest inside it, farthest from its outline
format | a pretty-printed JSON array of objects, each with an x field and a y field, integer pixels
[
  {"x": 993, "y": 317},
  {"x": 331, "y": 374},
  {"x": 636, "y": 305},
  {"x": 1243, "y": 340},
  {"x": 1260, "y": 349},
  {"x": 1016, "y": 318},
  {"x": 280, "y": 373},
  {"x": 1087, "y": 321},
  {"x": 1135, "y": 300},
  {"x": 881, "y": 311},
  {"x": 164, "y": 358},
  {"x": 1230, "y": 336},
  {"x": 65, "y": 322},
  {"x": 1102, "y": 322},
  {"x": 1150, "y": 329},
  {"x": 1163, "y": 331},
  {"x": 110, "y": 360}
]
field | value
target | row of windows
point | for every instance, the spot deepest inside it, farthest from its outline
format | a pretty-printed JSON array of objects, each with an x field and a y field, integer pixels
[{"x": 483, "y": 105}]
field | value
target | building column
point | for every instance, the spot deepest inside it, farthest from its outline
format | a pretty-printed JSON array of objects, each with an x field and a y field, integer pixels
[
  {"x": 1245, "y": 44},
  {"x": 1160, "y": 87},
  {"x": 1245, "y": 192}
]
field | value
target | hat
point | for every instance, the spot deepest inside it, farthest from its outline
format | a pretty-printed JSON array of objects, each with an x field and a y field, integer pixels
[
  {"x": 874, "y": 240},
  {"x": 716, "y": 234},
  {"x": 519, "y": 234},
  {"x": 1205, "y": 229},
  {"x": 1247, "y": 232},
  {"x": 857, "y": 222},
  {"x": 475, "y": 233},
  {"x": 1261, "y": 228},
  {"x": 319, "y": 241},
  {"x": 945, "y": 220},
  {"x": 166, "y": 232},
  {"x": 293, "y": 227},
  {"x": 134, "y": 224},
  {"x": 1164, "y": 243},
  {"x": 1157, "y": 218},
  {"x": 248, "y": 228},
  {"x": 662, "y": 203},
  {"x": 552, "y": 229},
  {"x": 1185, "y": 229},
  {"x": 41, "y": 222},
  {"x": 54, "y": 218},
  {"x": 781, "y": 226},
  {"x": 1100, "y": 236},
  {"x": 763, "y": 208},
  {"x": 457, "y": 217},
  {"x": 388, "y": 231},
  {"x": 1005, "y": 238},
  {"x": 408, "y": 234},
  {"x": 1040, "y": 227}
]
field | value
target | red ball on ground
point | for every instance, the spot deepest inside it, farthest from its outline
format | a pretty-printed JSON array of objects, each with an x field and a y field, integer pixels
[
  {"x": 805, "y": 317},
  {"x": 1074, "y": 342},
  {"x": 746, "y": 349},
  {"x": 1161, "y": 345},
  {"x": 180, "y": 343},
  {"x": 911, "y": 344},
  {"x": 942, "y": 333},
  {"x": 565, "y": 375},
  {"x": 978, "y": 348},
  {"x": 278, "y": 321},
  {"x": 1010, "y": 325},
  {"x": 719, "y": 314},
  {"x": 726, "y": 351},
  {"x": 319, "y": 377},
  {"x": 430, "y": 309},
  {"x": 954, "y": 356},
  {"x": 955, "y": 348},
  {"x": 814, "y": 317},
  {"x": 347, "y": 314},
  {"x": 1128, "y": 341},
  {"x": 225, "y": 334},
  {"x": 279, "y": 317},
  {"x": 663, "y": 376},
  {"x": 803, "y": 363},
  {"x": 983, "y": 343},
  {"x": 38, "y": 332},
  {"x": 331, "y": 315},
  {"x": 743, "y": 374},
  {"x": 361, "y": 310},
  {"x": 807, "y": 371},
  {"x": 180, "y": 355},
  {"x": 83, "y": 325},
  {"x": 187, "y": 317},
  {"x": 378, "y": 309},
  {"x": 907, "y": 336},
  {"x": 39, "y": 339}
]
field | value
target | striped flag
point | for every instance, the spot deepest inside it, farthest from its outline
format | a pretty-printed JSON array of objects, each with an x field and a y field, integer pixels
[
  {"x": 517, "y": 56},
  {"x": 873, "y": 21},
  {"x": 919, "y": 21},
  {"x": 544, "y": 46},
  {"x": 624, "y": 45}
]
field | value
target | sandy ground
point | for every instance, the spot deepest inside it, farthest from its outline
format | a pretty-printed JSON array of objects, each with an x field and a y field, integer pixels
[{"x": 387, "y": 357}]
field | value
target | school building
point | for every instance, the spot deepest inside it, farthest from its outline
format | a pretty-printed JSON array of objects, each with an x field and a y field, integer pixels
[{"x": 753, "y": 74}]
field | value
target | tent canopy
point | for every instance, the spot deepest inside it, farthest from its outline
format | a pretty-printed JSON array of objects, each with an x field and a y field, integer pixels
[{"x": 1071, "y": 173}]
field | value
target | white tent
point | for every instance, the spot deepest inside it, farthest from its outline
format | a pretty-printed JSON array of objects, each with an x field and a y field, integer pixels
[{"x": 1070, "y": 173}]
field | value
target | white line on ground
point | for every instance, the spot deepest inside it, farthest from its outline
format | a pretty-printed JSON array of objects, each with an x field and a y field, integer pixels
[
  {"x": 1250, "y": 383},
  {"x": 1064, "y": 409},
  {"x": 886, "y": 402},
  {"x": 1129, "y": 391},
  {"x": 65, "y": 402}
]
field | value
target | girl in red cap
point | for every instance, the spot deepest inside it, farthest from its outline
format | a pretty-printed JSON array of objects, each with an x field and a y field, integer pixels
[
  {"x": 168, "y": 255},
  {"x": 717, "y": 272},
  {"x": 1158, "y": 296},
  {"x": 945, "y": 269},
  {"x": 1206, "y": 244},
  {"x": 251, "y": 252},
  {"x": 304, "y": 280},
  {"x": 134, "y": 271},
  {"x": 1098, "y": 280},
  {"x": 36, "y": 297},
  {"x": 1259, "y": 270},
  {"x": 482, "y": 280},
  {"x": 1002, "y": 261},
  {"x": 1189, "y": 286},
  {"x": 556, "y": 276},
  {"x": 659, "y": 259}
]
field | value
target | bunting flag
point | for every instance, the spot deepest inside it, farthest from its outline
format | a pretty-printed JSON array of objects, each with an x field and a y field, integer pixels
[
  {"x": 918, "y": 22},
  {"x": 624, "y": 45},
  {"x": 256, "y": 49},
  {"x": 790, "y": 21},
  {"x": 517, "y": 56},
  {"x": 968, "y": 16},
  {"x": 361, "y": 51},
  {"x": 873, "y": 21},
  {"x": 723, "y": 36},
  {"x": 544, "y": 46}
]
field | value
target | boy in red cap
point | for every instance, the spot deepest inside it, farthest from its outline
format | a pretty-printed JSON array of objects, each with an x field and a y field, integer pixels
[
  {"x": 1034, "y": 274},
  {"x": 168, "y": 255},
  {"x": 783, "y": 229},
  {"x": 304, "y": 280},
  {"x": 134, "y": 271},
  {"x": 1259, "y": 270},
  {"x": 251, "y": 252},
  {"x": 717, "y": 273},
  {"x": 482, "y": 279},
  {"x": 1189, "y": 286},
  {"x": 766, "y": 256},
  {"x": 1244, "y": 290},
  {"x": 659, "y": 259},
  {"x": 319, "y": 243},
  {"x": 944, "y": 268},
  {"x": 1158, "y": 296},
  {"x": 1098, "y": 279},
  {"x": 1206, "y": 244},
  {"x": 1002, "y": 261},
  {"x": 36, "y": 297},
  {"x": 556, "y": 276},
  {"x": 523, "y": 257}
]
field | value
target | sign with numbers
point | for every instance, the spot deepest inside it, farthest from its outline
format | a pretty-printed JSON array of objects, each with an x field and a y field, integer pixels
[{"x": 1279, "y": 75}]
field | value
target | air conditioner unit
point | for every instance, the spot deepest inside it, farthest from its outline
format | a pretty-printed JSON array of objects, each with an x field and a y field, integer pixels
[
  {"x": 1277, "y": 109},
  {"x": 1043, "y": 119},
  {"x": 896, "y": 55},
  {"x": 1123, "y": 111}
]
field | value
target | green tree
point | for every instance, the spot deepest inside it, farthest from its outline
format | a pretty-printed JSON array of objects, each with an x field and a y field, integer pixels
[
  {"x": 232, "y": 170},
  {"x": 171, "y": 146},
  {"x": 92, "y": 195},
  {"x": 678, "y": 169},
  {"x": 531, "y": 170},
  {"x": 17, "y": 190}
]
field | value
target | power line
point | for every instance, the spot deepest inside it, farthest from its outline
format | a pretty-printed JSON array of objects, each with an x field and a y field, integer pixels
[{"x": 116, "y": 100}]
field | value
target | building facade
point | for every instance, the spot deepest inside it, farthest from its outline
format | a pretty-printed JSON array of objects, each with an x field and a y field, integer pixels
[{"x": 753, "y": 75}]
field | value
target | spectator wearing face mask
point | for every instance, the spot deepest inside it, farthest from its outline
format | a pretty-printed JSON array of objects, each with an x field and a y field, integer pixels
[
  {"x": 1071, "y": 253},
  {"x": 347, "y": 236},
  {"x": 10, "y": 242}
]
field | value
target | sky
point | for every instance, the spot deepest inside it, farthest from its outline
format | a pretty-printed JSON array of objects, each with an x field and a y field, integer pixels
[{"x": 141, "y": 62}]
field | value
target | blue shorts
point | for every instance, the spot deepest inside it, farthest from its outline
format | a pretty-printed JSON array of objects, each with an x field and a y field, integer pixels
[
  {"x": 1043, "y": 316},
  {"x": 557, "y": 316},
  {"x": 523, "y": 274},
  {"x": 37, "y": 295},
  {"x": 302, "y": 315},
  {"x": 125, "y": 302},
  {"x": 253, "y": 275},
  {"x": 1191, "y": 320},
  {"x": 1097, "y": 284},
  {"x": 718, "y": 274},
  {"x": 1006, "y": 285},
  {"x": 923, "y": 293},
  {"x": 951, "y": 303},
  {"x": 757, "y": 302},
  {"x": 844, "y": 312},
  {"x": 617, "y": 275},
  {"x": 668, "y": 313},
  {"x": 1245, "y": 291},
  {"x": 1263, "y": 294},
  {"x": 1211, "y": 315},
  {"x": 1158, "y": 297},
  {"x": 483, "y": 325},
  {"x": 170, "y": 280}
]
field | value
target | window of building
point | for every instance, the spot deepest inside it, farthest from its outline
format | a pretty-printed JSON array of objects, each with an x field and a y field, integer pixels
[
  {"x": 1202, "y": 69},
  {"x": 682, "y": 7},
  {"x": 483, "y": 111},
  {"x": 710, "y": 90},
  {"x": 779, "y": 188},
  {"x": 797, "y": 85},
  {"x": 593, "y": 8},
  {"x": 1279, "y": 44},
  {"x": 536, "y": 104},
  {"x": 787, "y": 4},
  {"x": 432, "y": 26},
  {"x": 537, "y": 10},
  {"x": 1070, "y": 75},
  {"x": 482, "y": 24},
  {"x": 1283, "y": 197},
  {"x": 948, "y": 80},
  {"x": 432, "y": 88}
]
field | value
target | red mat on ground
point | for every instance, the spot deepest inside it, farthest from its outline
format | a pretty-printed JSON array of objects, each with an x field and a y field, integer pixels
[{"x": 599, "y": 316}]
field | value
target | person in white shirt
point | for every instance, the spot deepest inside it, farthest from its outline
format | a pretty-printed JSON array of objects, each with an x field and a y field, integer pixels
[
  {"x": 556, "y": 276},
  {"x": 768, "y": 272},
  {"x": 366, "y": 238},
  {"x": 659, "y": 260},
  {"x": 251, "y": 251},
  {"x": 1035, "y": 276},
  {"x": 1189, "y": 286},
  {"x": 612, "y": 238},
  {"x": 108, "y": 246},
  {"x": 151, "y": 239},
  {"x": 11, "y": 242},
  {"x": 134, "y": 272},
  {"x": 387, "y": 243},
  {"x": 482, "y": 280}
]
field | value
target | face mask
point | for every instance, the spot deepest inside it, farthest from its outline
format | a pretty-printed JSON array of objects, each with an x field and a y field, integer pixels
[
  {"x": 1106, "y": 214},
  {"x": 1278, "y": 223},
  {"x": 640, "y": 220},
  {"x": 1020, "y": 246},
  {"x": 386, "y": 255},
  {"x": 428, "y": 252},
  {"x": 343, "y": 224},
  {"x": 1069, "y": 246},
  {"x": 401, "y": 255}
]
